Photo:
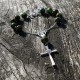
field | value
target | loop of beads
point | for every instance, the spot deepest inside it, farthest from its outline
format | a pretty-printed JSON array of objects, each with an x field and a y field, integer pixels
[{"x": 18, "y": 21}]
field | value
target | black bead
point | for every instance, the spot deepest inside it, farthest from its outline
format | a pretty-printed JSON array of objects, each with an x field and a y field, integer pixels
[
  {"x": 18, "y": 29},
  {"x": 20, "y": 22},
  {"x": 13, "y": 25},
  {"x": 44, "y": 40},
  {"x": 55, "y": 13},
  {"x": 17, "y": 18},
  {"x": 28, "y": 19},
  {"x": 24, "y": 15},
  {"x": 50, "y": 11},
  {"x": 42, "y": 11}
]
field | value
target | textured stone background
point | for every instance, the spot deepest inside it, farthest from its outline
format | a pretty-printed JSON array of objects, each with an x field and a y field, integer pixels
[{"x": 19, "y": 56}]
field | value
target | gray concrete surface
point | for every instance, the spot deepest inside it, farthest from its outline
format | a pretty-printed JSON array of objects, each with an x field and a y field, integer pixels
[{"x": 19, "y": 56}]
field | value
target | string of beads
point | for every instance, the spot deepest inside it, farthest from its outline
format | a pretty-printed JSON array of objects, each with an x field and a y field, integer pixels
[{"x": 18, "y": 22}]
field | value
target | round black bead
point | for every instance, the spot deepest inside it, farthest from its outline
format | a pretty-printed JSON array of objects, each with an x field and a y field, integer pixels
[
  {"x": 50, "y": 11},
  {"x": 24, "y": 15},
  {"x": 17, "y": 18},
  {"x": 55, "y": 13},
  {"x": 42, "y": 11},
  {"x": 18, "y": 28},
  {"x": 44, "y": 40},
  {"x": 13, "y": 25}
]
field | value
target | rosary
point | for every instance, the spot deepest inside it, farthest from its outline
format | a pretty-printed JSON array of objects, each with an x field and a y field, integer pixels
[{"x": 18, "y": 22}]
